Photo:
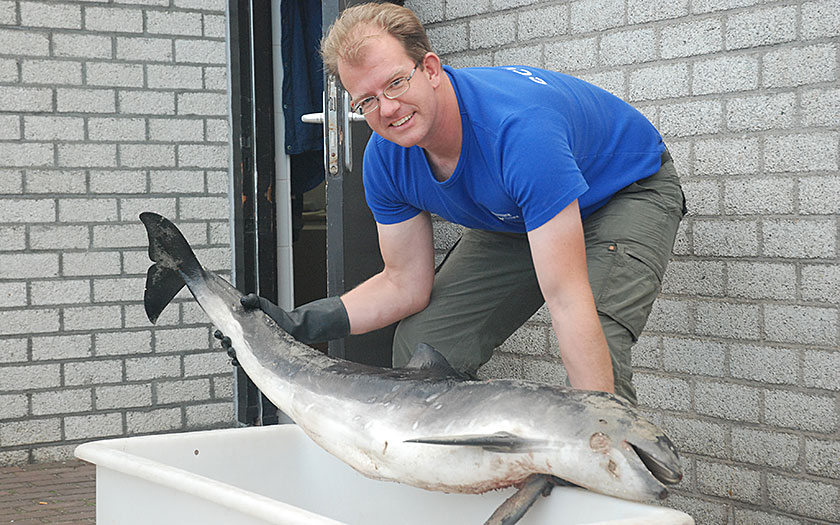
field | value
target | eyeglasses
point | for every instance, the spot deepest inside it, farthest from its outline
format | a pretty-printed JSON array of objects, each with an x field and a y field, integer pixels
[{"x": 396, "y": 88}]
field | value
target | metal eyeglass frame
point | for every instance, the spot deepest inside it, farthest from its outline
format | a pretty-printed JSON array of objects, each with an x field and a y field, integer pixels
[{"x": 357, "y": 107}]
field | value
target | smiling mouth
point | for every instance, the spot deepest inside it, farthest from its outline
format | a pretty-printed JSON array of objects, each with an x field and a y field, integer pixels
[{"x": 402, "y": 121}]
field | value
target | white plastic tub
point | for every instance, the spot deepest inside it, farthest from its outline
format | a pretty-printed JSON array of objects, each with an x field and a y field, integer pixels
[{"x": 277, "y": 475}]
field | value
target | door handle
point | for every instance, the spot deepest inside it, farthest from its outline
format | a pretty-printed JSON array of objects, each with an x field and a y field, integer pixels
[{"x": 318, "y": 118}]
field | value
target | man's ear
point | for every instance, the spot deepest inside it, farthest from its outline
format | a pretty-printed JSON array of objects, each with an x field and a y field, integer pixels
[{"x": 432, "y": 68}]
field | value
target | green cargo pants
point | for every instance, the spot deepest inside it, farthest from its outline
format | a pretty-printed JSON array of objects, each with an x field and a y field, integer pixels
[{"x": 486, "y": 287}]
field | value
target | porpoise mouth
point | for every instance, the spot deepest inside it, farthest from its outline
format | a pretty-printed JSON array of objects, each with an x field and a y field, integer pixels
[{"x": 664, "y": 473}]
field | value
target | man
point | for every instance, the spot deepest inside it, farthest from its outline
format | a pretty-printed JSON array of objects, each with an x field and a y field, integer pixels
[{"x": 568, "y": 195}]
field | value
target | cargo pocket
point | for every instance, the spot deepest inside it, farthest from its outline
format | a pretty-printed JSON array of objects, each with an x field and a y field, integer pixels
[{"x": 624, "y": 285}]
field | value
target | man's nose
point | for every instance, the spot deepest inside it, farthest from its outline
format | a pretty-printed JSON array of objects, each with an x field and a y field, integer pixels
[{"x": 387, "y": 106}]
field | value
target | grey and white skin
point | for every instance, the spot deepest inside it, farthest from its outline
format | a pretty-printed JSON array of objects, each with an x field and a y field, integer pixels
[{"x": 424, "y": 425}]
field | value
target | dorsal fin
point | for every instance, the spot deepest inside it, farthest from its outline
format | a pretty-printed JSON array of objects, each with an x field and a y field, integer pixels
[{"x": 426, "y": 358}]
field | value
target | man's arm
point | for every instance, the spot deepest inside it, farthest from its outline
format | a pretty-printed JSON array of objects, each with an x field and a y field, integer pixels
[
  {"x": 404, "y": 286},
  {"x": 559, "y": 256}
]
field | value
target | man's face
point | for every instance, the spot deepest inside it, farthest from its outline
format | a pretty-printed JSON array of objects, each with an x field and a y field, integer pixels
[{"x": 405, "y": 120}]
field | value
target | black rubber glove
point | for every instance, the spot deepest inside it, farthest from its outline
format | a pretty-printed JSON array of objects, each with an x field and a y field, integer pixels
[
  {"x": 225, "y": 340},
  {"x": 315, "y": 322}
]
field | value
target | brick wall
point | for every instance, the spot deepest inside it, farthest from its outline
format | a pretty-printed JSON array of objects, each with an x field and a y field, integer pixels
[
  {"x": 107, "y": 109},
  {"x": 740, "y": 360}
]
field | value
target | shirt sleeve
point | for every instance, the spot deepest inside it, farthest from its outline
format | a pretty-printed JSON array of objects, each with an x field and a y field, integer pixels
[
  {"x": 538, "y": 165},
  {"x": 383, "y": 195}
]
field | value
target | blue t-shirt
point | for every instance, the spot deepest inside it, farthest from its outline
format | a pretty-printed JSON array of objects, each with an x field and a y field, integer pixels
[{"x": 533, "y": 141}]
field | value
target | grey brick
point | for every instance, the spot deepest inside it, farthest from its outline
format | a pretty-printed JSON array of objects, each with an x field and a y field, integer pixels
[
  {"x": 215, "y": 78},
  {"x": 87, "y": 210},
  {"x": 693, "y": 356},
  {"x": 691, "y": 118},
  {"x": 211, "y": 104},
  {"x": 29, "y": 377},
  {"x": 90, "y": 263},
  {"x": 216, "y": 362},
  {"x": 725, "y": 238},
  {"x": 802, "y": 152},
  {"x": 111, "y": 74},
  {"x": 728, "y": 401},
  {"x": 694, "y": 278},
  {"x": 174, "y": 77},
  {"x": 628, "y": 47},
  {"x": 696, "y": 436},
  {"x": 210, "y": 415},
  {"x": 60, "y": 292},
  {"x": 811, "y": 413},
  {"x": 93, "y": 372},
  {"x": 19, "y": 99},
  {"x": 70, "y": 100},
  {"x": 9, "y": 69},
  {"x": 52, "y": 454},
  {"x": 790, "y": 67},
  {"x": 130, "y": 210},
  {"x": 28, "y": 265},
  {"x": 639, "y": 11},
  {"x": 530, "y": 340},
  {"x": 13, "y": 237},
  {"x": 670, "y": 316},
  {"x": 820, "y": 283},
  {"x": 200, "y": 51},
  {"x": 123, "y": 396},
  {"x": 205, "y": 5},
  {"x": 571, "y": 55},
  {"x": 646, "y": 353},
  {"x": 204, "y": 208},
  {"x": 50, "y": 127},
  {"x": 821, "y": 369},
  {"x": 13, "y": 406},
  {"x": 543, "y": 22},
  {"x": 698, "y": 37},
  {"x": 147, "y": 155},
  {"x": 708, "y": 6},
  {"x": 147, "y": 102},
  {"x": 92, "y": 317},
  {"x": 460, "y": 8},
  {"x": 93, "y": 426},
  {"x": 173, "y": 23},
  {"x": 145, "y": 49},
  {"x": 123, "y": 343},
  {"x": 118, "y": 236},
  {"x": 702, "y": 511},
  {"x": 519, "y": 55},
  {"x": 27, "y": 210},
  {"x": 176, "y": 130},
  {"x": 118, "y": 290},
  {"x": 659, "y": 82},
  {"x": 761, "y": 112},
  {"x": 12, "y": 294},
  {"x": 159, "y": 420},
  {"x": 492, "y": 31},
  {"x": 754, "y": 517},
  {"x": 215, "y": 26},
  {"x": 762, "y": 280},
  {"x": 729, "y": 481},
  {"x": 11, "y": 182},
  {"x": 218, "y": 182},
  {"x": 8, "y": 14},
  {"x": 821, "y": 457},
  {"x": 197, "y": 156},
  {"x": 52, "y": 72},
  {"x": 802, "y": 497},
  {"x": 82, "y": 45},
  {"x": 116, "y": 129},
  {"x": 9, "y": 127},
  {"x": 152, "y": 367},
  {"x": 30, "y": 432},
  {"x": 804, "y": 238},
  {"x": 801, "y": 324},
  {"x": 736, "y": 321},
  {"x": 39, "y": 14},
  {"x": 764, "y": 364},
  {"x": 49, "y": 348},
  {"x": 549, "y": 372},
  {"x": 725, "y": 74},
  {"x": 63, "y": 401},
  {"x": 223, "y": 387},
  {"x": 218, "y": 130},
  {"x": 427, "y": 12},
  {"x": 30, "y": 154},
  {"x": 122, "y": 181},
  {"x": 113, "y": 19},
  {"x": 183, "y": 391},
  {"x": 727, "y": 156},
  {"x": 662, "y": 392},
  {"x": 24, "y": 43},
  {"x": 181, "y": 340},
  {"x": 16, "y": 350},
  {"x": 449, "y": 38},
  {"x": 820, "y": 19},
  {"x": 821, "y": 107},
  {"x": 595, "y": 15},
  {"x": 761, "y": 27}
]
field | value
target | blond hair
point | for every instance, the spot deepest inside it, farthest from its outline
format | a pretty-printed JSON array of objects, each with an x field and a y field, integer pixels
[{"x": 347, "y": 37}]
